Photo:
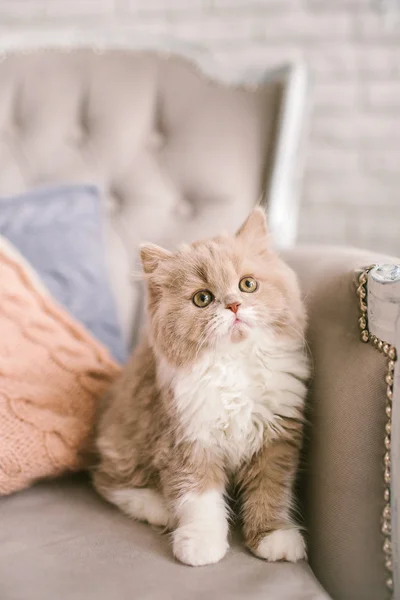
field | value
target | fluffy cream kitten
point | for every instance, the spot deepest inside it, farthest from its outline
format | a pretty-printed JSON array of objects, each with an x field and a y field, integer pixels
[{"x": 212, "y": 400}]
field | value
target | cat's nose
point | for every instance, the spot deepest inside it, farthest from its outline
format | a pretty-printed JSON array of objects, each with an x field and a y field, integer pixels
[{"x": 233, "y": 306}]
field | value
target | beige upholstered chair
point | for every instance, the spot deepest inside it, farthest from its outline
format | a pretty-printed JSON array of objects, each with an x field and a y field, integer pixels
[{"x": 178, "y": 155}]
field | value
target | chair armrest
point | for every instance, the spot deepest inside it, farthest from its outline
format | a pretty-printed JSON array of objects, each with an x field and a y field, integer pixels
[{"x": 343, "y": 484}]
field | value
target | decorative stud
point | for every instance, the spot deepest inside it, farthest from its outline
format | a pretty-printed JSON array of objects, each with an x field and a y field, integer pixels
[
  {"x": 386, "y": 495},
  {"x": 388, "y": 411},
  {"x": 391, "y": 364},
  {"x": 387, "y": 546},
  {"x": 389, "y": 584},
  {"x": 387, "y": 442},
  {"x": 364, "y": 336},
  {"x": 386, "y": 475},
  {"x": 386, "y": 458},
  {"x": 361, "y": 293},
  {"x": 386, "y": 528},
  {"x": 389, "y": 379},
  {"x": 392, "y": 353},
  {"x": 362, "y": 323},
  {"x": 386, "y": 512},
  {"x": 388, "y": 428},
  {"x": 389, "y": 564},
  {"x": 386, "y": 348},
  {"x": 389, "y": 392}
]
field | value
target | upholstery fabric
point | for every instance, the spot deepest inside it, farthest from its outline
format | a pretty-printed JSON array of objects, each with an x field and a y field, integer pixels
[
  {"x": 60, "y": 232},
  {"x": 175, "y": 155},
  {"x": 343, "y": 462},
  {"x": 60, "y": 540},
  {"x": 51, "y": 372}
]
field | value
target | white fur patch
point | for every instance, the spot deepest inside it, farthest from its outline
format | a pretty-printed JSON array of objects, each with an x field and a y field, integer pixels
[
  {"x": 201, "y": 537},
  {"x": 234, "y": 394},
  {"x": 282, "y": 544},
  {"x": 143, "y": 504}
]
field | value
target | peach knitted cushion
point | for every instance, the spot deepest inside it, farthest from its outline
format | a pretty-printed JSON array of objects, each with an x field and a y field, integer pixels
[{"x": 51, "y": 373}]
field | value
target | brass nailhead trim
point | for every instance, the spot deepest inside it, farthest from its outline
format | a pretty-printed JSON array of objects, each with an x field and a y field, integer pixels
[{"x": 390, "y": 352}]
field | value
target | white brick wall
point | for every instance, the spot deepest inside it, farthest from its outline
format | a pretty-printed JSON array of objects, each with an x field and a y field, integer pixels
[{"x": 352, "y": 182}]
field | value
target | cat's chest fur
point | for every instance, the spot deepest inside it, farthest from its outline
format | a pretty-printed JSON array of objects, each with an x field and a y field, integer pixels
[{"x": 229, "y": 400}]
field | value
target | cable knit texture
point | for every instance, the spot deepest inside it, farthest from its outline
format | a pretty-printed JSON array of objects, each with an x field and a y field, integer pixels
[{"x": 51, "y": 374}]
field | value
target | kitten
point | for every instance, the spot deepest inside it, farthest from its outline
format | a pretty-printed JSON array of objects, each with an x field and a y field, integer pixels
[{"x": 212, "y": 399}]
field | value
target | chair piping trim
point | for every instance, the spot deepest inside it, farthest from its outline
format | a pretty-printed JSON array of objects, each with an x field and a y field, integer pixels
[{"x": 390, "y": 353}]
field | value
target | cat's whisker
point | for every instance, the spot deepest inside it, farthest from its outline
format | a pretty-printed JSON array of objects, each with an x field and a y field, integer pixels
[
  {"x": 137, "y": 276},
  {"x": 305, "y": 344},
  {"x": 208, "y": 332},
  {"x": 203, "y": 339}
]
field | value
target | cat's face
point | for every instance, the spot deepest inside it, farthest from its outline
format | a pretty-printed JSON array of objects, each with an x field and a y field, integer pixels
[{"x": 218, "y": 291}]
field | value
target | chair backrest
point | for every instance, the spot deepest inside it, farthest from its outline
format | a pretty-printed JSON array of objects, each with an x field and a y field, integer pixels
[{"x": 176, "y": 154}]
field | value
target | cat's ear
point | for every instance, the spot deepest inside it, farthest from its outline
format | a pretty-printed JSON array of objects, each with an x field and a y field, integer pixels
[
  {"x": 151, "y": 256},
  {"x": 255, "y": 226}
]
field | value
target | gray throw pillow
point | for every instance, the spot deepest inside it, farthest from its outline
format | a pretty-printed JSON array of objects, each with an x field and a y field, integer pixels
[{"x": 60, "y": 231}]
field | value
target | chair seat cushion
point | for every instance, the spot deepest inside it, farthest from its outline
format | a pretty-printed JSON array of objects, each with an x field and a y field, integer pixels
[{"x": 60, "y": 540}]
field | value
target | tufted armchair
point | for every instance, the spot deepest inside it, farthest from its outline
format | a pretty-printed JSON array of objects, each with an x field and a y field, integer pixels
[{"x": 177, "y": 156}]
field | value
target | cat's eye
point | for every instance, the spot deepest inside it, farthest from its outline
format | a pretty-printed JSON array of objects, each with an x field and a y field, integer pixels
[
  {"x": 202, "y": 298},
  {"x": 248, "y": 285}
]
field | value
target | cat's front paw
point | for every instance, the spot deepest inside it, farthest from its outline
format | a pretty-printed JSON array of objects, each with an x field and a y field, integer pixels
[
  {"x": 282, "y": 544},
  {"x": 196, "y": 547}
]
